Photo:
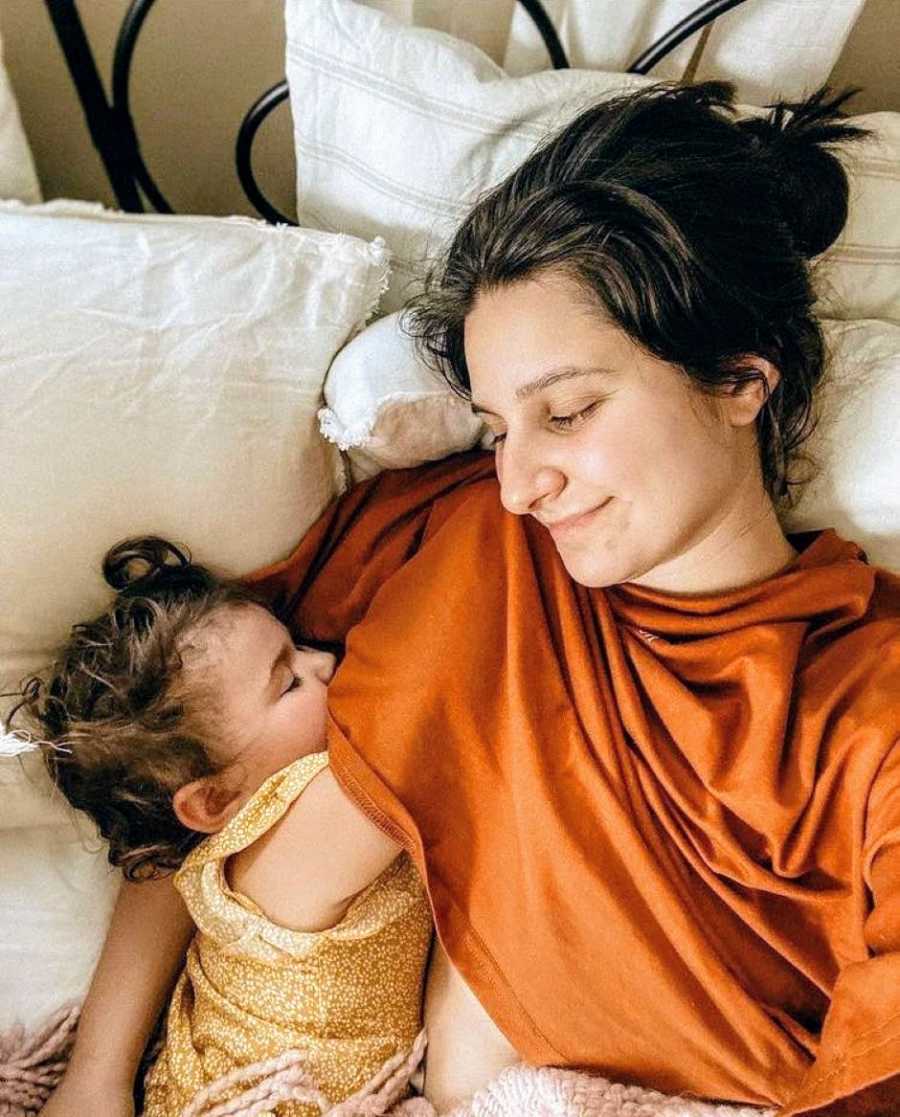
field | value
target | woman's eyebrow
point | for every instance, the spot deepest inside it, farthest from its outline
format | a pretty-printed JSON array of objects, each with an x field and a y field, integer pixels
[{"x": 567, "y": 372}]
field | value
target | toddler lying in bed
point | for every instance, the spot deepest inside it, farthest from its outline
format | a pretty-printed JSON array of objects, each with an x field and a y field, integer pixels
[{"x": 187, "y": 723}]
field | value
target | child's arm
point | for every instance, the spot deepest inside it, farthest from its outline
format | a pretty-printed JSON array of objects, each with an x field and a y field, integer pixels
[
  {"x": 306, "y": 870},
  {"x": 143, "y": 952}
]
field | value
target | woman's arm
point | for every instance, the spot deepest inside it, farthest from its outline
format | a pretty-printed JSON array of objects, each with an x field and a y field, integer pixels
[
  {"x": 141, "y": 957},
  {"x": 305, "y": 871}
]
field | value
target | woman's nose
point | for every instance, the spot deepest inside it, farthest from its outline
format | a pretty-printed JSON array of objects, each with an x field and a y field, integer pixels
[{"x": 526, "y": 479}]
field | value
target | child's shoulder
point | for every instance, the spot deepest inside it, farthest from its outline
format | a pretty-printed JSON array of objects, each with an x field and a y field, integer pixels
[
  {"x": 264, "y": 810},
  {"x": 307, "y": 867}
]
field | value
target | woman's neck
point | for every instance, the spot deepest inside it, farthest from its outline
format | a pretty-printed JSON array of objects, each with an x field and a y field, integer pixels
[{"x": 747, "y": 545}]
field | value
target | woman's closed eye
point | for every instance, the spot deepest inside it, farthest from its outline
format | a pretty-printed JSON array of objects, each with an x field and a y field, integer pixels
[
  {"x": 560, "y": 422},
  {"x": 566, "y": 422}
]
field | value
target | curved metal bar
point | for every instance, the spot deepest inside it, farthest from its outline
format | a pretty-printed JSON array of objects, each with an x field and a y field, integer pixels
[
  {"x": 121, "y": 152},
  {"x": 100, "y": 119},
  {"x": 682, "y": 30},
  {"x": 121, "y": 75},
  {"x": 250, "y": 125},
  {"x": 547, "y": 32}
]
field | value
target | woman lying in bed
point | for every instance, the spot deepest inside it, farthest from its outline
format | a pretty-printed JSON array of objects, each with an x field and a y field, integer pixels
[{"x": 641, "y": 745}]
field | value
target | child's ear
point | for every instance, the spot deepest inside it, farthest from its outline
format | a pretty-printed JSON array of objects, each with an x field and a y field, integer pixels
[{"x": 205, "y": 805}]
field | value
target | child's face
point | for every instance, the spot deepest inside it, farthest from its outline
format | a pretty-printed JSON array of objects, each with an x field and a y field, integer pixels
[{"x": 271, "y": 694}]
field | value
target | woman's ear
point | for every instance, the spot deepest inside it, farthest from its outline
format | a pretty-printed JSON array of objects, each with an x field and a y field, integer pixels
[
  {"x": 744, "y": 401},
  {"x": 205, "y": 805}
]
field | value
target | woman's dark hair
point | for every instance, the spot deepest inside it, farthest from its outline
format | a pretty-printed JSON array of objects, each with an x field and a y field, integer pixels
[
  {"x": 685, "y": 226},
  {"x": 121, "y": 732}
]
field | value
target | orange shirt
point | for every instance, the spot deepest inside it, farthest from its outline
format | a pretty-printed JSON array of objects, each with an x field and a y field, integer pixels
[{"x": 660, "y": 833}]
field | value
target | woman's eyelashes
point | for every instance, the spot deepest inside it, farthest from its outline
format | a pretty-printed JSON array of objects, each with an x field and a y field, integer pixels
[
  {"x": 566, "y": 422},
  {"x": 559, "y": 422}
]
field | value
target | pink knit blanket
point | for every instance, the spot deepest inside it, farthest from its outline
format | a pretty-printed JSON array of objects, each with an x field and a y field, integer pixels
[
  {"x": 549, "y": 1092},
  {"x": 31, "y": 1064}
]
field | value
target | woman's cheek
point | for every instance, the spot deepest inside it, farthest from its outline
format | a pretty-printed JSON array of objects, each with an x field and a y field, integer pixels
[{"x": 600, "y": 462}]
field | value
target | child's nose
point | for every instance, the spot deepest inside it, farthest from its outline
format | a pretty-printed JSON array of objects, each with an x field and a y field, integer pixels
[
  {"x": 321, "y": 663},
  {"x": 328, "y": 665}
]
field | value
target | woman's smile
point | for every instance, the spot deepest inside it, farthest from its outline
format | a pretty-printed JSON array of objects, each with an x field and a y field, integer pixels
[
  {"x": 564, "y": 528},
  {"x": 659, "y": 484}
]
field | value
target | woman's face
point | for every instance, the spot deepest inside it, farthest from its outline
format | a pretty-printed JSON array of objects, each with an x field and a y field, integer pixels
[{"x": 637, "y": 476}]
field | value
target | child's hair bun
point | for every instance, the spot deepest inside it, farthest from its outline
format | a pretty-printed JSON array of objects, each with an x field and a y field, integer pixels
[
  {"x": 149, "y": 565},
  {"x": 809, "y": 184}
]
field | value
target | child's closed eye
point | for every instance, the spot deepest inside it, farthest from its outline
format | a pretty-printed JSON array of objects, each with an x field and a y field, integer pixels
[{"x": 295, "y": 682}]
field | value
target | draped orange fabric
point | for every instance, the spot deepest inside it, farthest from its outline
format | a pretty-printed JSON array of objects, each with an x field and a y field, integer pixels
[{"x": 661, "y": 834}]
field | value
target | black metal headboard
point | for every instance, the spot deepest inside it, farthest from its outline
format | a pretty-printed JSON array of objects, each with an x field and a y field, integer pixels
[{"x": 113, "y": 131}]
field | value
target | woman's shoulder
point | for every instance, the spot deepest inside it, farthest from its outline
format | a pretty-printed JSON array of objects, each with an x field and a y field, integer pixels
[
  {"x": 855, "y": 641},
  {"x": 838, "y": 567}
]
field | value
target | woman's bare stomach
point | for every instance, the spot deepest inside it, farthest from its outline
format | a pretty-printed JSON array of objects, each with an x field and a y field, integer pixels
[{"x": 466, "y": 1049}]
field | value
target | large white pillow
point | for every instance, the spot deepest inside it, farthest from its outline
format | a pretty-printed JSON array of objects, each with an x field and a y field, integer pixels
[
  {"x": 769, "y": 50},
  {"x": 389, "y": 410},
  {"x": 398, "y": 129},
  {"x": 56, "y": 895},
  {"x": 160, "y": 373},
  {"x": 156, "y": 374},
  {"x": 857, "y": 442},
  {"x": 18, "y": 178},
  {"x": 859, "y": 277}
]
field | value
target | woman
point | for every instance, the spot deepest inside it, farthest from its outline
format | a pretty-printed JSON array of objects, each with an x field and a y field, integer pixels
[{"x": 641, "y": 744}]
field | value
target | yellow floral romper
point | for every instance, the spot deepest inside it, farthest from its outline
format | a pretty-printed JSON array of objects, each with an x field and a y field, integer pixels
[{"x": 348, "y": 998}]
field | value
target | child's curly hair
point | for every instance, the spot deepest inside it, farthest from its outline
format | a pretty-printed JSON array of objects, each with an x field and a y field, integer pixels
[{"x": 121, "y": 730}]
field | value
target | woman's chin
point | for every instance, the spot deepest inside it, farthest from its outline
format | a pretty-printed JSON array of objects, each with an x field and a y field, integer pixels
[{"x": 593, "y": 570}]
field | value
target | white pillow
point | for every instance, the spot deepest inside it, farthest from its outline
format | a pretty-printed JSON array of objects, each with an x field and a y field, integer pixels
[
  {"x": 398, "y": 129},
  {"x": 57, "y": 891},
  {"x": 387, "y": 410},
  {"x": 769, "y": 50},
  {"x": 18, "y": 178},
  {"x": 160, "y": 373},
  {"x": 859, "y": 276},
  {"x": 156, "y": 374},
  {"x": 857, "y": 442}
]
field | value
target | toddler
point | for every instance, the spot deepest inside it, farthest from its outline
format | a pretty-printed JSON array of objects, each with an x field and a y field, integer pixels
[{"x": 188, "y": 724}]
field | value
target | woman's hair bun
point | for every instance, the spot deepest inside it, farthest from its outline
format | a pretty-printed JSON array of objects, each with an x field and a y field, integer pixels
[
  {"x": 809, "y": 182},
  {"x": 148, "y": 565}
]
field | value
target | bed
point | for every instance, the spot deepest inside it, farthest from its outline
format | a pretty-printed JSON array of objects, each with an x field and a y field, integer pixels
[{"x": 220, "y": 379}]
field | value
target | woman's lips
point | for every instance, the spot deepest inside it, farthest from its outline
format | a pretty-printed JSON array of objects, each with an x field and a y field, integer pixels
[{"x": 560, "y": 528}]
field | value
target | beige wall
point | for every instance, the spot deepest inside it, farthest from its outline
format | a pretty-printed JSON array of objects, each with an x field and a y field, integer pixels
[
  {"x": 201, "y": 63},
  {"x": 870, "y": 58}
]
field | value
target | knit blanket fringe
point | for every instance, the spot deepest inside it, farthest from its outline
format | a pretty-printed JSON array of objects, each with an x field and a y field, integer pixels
[
  {"x": 551, "y": 1092},
  {"x": 32, "y": 1064}
]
